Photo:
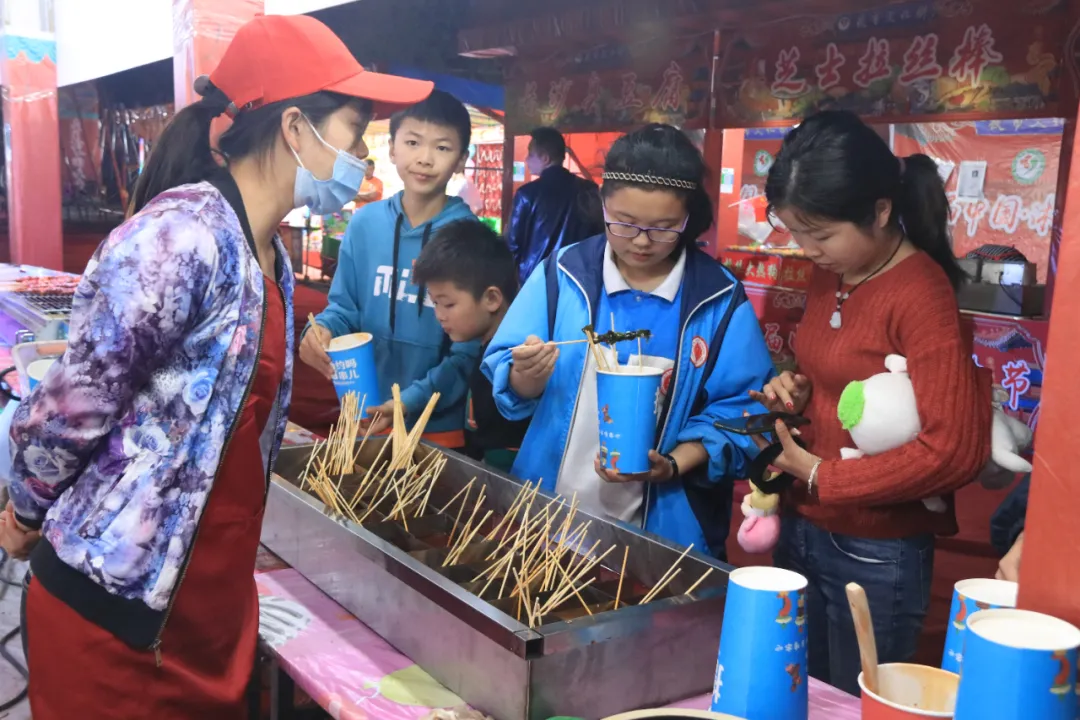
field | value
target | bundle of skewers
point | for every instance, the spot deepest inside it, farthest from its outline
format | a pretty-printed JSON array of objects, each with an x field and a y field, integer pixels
[
  {"x": 394, "y": 484},
  {"x": 535, "y": 555}
]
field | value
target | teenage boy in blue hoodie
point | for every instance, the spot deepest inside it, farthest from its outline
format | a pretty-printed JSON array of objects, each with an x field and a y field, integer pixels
[{"x": 373, "y": 291}]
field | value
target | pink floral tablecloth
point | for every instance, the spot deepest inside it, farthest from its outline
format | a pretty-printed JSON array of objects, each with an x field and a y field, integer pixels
[{"x": 356, "y": 675}]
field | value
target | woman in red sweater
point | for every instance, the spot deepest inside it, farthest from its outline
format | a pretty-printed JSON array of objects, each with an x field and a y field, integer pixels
[{"x": 876, "y": 228}]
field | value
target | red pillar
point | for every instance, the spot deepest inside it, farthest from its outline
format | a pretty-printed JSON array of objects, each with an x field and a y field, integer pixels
[
  {"x": 714, "y": 150},
  {"x": 727, "y": 212},
  {"x": 202, "y": 29},
  {"x": 32, "y": 136},
  {"x": 1049, "y": 574}
]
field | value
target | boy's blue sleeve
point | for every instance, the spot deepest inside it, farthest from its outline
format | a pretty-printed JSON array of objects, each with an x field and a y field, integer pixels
[
  {"x": 526, "y": 316},
  {"x": 342, "y": 314},
  {"x": 450, "y": 379},
  {"x": 744, "y": 365}
]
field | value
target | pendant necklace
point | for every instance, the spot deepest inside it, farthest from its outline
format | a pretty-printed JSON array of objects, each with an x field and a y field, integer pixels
[{"x": 836, "y": 321}]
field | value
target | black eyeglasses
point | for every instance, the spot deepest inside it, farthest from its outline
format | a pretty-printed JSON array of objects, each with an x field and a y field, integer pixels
[{"x": 629, "y": 231}]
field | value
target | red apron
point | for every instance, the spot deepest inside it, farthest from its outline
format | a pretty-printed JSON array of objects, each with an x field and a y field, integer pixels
[{"x": 79, "y": 670}]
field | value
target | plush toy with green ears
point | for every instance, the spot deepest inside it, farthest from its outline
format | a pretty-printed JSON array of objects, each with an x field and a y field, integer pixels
[{"x": 880, "y": 414}]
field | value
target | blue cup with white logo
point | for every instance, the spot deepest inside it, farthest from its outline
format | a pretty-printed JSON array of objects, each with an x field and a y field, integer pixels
[
  {"x": 628, "y": 402},
  {"x": 353, "y": 358},
  {"x": 969, "y": 597},
  {"x": 1018, "y": 665},
  {"x": 761, "y": 669}
]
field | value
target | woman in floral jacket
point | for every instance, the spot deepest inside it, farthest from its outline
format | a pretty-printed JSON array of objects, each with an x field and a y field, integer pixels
[{"x": 143, "y": 457}]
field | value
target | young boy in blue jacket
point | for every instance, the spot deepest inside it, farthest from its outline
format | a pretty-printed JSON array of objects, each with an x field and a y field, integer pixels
[
  {"x": 373, "y": 291},
  {"x": 648, "y": 273}
]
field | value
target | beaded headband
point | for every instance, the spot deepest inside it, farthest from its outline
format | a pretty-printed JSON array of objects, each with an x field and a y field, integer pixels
[{"x": 650, "y": 180}]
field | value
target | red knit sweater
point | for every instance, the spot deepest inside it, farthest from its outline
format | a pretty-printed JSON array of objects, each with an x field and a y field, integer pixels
[{"x": 911, "y": 311}]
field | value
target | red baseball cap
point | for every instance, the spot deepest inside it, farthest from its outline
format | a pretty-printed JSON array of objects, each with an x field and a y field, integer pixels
[{"x": 279, "y": 57}]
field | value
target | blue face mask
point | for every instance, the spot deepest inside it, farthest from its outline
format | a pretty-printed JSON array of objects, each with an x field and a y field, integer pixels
[{"x": 326, "y": 197}]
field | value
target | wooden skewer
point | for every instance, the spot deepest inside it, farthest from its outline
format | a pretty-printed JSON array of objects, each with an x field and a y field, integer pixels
[
  {"x": 510, "y": 513},
  {"x": 601, "y": 363},
  {"x": 467, "y": 540},
  {"x": 664, "y": 579},
  {"x": 701, "y": 579},
  {"x": 622, "y": 574},
  {"x": 311, "y": 321},
  {"x": 556, "y": 601},
  {"x": 640, "y": 355},
  {"x": 554, "y": 344},
  {"x": 461, "y": 509},
  {"x": 462, "y": 491},
  {"x": 614, "y": 349},
  {"x": 659, "y": 588},
  {"x": 575, "y": 590}
]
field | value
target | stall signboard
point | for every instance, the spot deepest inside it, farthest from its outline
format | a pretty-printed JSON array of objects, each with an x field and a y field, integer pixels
[
  {"x": 916, "y": 59},
  {"x": 1017, "y": 203},
  {"x": 1014, "y": 352},
  {"x": 778, "y": 311},
  {"x": 768, "y": 269},
  {"x": 613, "y": 87}
]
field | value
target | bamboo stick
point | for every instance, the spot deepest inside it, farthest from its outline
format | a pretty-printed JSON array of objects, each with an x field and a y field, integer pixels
[
  {"x": 622, "y": 575},
  {"x": 553, "y": 344},
  {"x": 659, "y": 588},
  {"x": 461, "y": 492},
  {"x": 469, "y": 538},
  {"x": 671, "y": 571},
  {"x": 461, "y": 509},
  {"x": 701, "y": 579}
]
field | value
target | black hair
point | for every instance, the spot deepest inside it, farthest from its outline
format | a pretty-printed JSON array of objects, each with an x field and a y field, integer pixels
[
  {"x": 471, "y": 255},
  {"x": 439, "y": 108},
  {"x": 835, "y": 167},
  {"x": 548, "y": 142},
  {"x": 183, "y": 154},
  {"x": 663, "y": 152}
]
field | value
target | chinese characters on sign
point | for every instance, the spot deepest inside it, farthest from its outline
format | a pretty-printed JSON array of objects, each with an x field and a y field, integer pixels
[
  {"x": 939, "y": 64},
  {"x": 1016, "y": 381},
  {"x": 591, "y": 91}
]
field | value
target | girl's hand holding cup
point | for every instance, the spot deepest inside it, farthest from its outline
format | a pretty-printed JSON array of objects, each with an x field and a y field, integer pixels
[
  {"x": 533, "y": 364},
  {"x": 787, "y": 392}
]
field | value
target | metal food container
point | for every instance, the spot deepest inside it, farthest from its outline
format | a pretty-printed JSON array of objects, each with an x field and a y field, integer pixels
[{"x": 573, "y": 664}]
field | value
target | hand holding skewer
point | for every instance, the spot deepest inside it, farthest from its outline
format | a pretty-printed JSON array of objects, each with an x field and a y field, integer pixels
[{"x": 534, "y": 362}]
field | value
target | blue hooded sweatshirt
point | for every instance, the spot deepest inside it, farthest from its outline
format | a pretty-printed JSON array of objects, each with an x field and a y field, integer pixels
[{"x": 411, "y": 348}]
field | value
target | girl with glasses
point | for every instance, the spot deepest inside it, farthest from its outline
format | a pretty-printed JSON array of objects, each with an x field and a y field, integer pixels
[{"x": 645, "y": 272}]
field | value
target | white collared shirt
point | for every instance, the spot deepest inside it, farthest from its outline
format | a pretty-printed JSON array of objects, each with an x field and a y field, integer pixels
[{"x": 577, "y": 474}]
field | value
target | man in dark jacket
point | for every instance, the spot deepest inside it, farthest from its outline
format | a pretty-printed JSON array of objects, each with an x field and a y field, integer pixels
[{"x": 553, "y": 211}]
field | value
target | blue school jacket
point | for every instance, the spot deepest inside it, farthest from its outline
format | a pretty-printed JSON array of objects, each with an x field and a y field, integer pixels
[{"x": 721, "y": 357}]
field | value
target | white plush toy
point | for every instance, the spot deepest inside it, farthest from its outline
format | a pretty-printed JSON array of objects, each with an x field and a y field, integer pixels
[{"x": 880, "y": 414}]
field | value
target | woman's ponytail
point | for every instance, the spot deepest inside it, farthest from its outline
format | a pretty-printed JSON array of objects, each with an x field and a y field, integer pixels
[
  {"x": 924, "y": 213},
  {"x": 183, "y": 154}
]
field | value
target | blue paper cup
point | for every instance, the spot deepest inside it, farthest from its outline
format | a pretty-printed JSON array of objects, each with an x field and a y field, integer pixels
[
  {"x": 1018, "y": 665},
  {"x": 969, "y": 597},
  {"x": 761, "y": 668},
  {"x": 37, "y": 370},
  {"x": 628, "y": 401},
  {"x": 353, "y": 357}
]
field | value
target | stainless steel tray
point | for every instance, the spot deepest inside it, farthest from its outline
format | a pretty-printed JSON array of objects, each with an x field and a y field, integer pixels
[{"x": 593, "y": 666}]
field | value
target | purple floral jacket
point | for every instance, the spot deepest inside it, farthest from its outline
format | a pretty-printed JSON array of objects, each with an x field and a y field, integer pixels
[{"x": 117, "y": 449}]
